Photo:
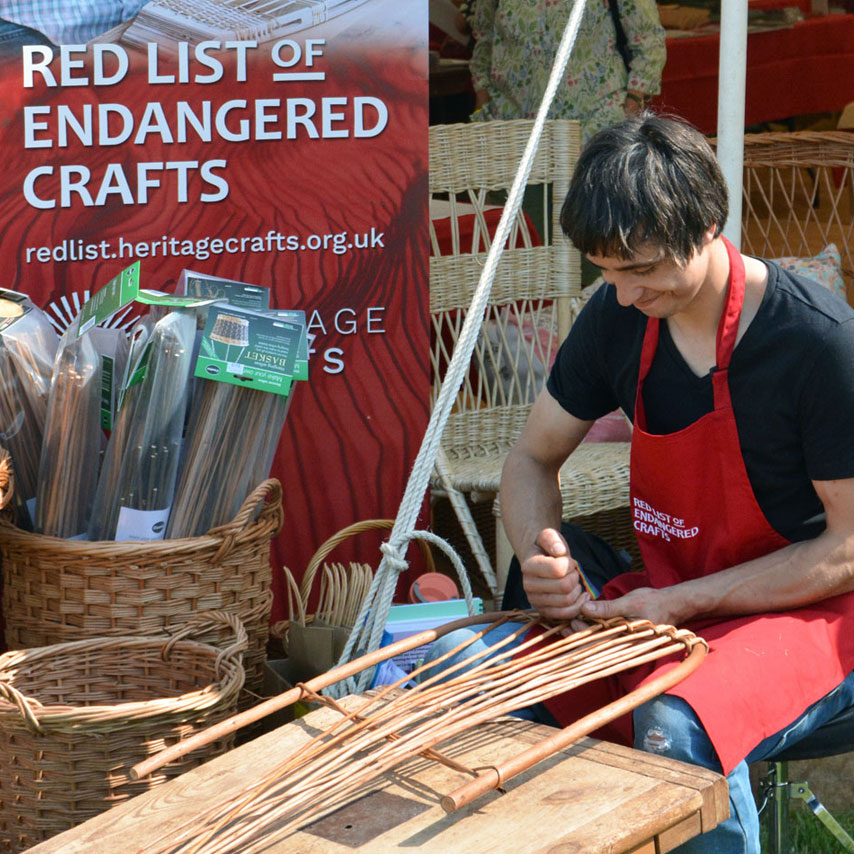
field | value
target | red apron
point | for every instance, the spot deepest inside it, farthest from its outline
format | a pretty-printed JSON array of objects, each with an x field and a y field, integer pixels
[{"x": 695, "y": 513}]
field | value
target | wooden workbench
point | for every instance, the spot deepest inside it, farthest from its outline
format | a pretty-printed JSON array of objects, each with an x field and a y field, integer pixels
[{"x": 592, "y": 797}]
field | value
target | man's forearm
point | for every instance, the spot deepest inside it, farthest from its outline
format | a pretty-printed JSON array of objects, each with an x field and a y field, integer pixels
[
  {"x": 530, "y": 501},
  {"x": 792, "y": 577},
  {"x": 532, "y": 519},
  {"x": 530, "y": 489}
]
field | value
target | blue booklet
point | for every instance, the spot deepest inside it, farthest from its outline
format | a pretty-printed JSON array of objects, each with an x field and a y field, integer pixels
[{"x": 406, "y": 620}]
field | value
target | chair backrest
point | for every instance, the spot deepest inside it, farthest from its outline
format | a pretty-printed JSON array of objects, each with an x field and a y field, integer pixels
[
  {"x": 799, "y": 196},
  {"x": 472, "y": 167}
]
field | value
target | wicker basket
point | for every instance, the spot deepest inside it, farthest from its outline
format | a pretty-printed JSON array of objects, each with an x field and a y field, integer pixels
[
  {"x": 56, "y": 591},
  {"x": 301, "y": 595},
  {"x": 327, "y": 547},
  {"x": 75, "y": 717},
  {"x": 311, "y": 644}
]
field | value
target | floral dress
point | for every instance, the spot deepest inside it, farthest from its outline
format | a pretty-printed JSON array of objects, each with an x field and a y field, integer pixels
[{"x": 516, "y": 42}]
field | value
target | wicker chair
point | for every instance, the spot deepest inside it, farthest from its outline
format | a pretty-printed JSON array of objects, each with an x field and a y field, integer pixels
[
  {"x": 529, "y": 314},
  {"x": 799, "y": 196}
]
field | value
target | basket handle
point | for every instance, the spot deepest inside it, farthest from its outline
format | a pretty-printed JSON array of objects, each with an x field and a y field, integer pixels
[
  {"x": 26, "y": 705},
  {"x": 268, "y": 493},
  {"x": 208, "y": 620},
  {"x": 336, "y": 539}
]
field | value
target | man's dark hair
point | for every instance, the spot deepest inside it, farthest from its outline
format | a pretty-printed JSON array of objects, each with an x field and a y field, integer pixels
[{"x": 645, "y": 180}]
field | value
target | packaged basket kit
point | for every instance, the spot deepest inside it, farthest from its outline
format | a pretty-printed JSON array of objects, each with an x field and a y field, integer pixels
[
  {"x": 73, "y": 439},
  {"x": 213, "y": 483},
  {"x": 28, "y": 345},
  {"x": 249, "y": 362},
  {"x": 138, "y": 477}
]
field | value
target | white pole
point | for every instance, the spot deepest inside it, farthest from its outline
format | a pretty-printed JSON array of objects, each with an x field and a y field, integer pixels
[{"x": 732, "y": 74}]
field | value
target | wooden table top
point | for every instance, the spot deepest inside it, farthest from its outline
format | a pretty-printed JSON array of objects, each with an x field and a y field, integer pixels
[{"x": 592, "y": 797}]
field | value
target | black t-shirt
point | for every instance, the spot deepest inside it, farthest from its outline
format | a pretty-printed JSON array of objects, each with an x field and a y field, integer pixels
[{"x": 791, "y": 383}]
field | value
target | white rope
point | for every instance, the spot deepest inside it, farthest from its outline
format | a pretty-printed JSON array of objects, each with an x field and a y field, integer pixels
[{"x": 367, "y": 633}]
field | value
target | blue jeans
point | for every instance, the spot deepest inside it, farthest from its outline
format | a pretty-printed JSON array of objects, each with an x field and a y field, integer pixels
[
  {"x": 13, "y": 36},
  {"x": 668, "y": 726}
]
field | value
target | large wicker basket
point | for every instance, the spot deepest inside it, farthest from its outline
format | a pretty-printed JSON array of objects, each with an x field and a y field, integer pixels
[
  {"x": 75, "y": 717},
  {"x": 56, "y": 591}
]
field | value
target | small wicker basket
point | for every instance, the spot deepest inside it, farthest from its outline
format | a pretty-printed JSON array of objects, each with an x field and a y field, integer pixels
[
  {"x": 75, "y": 717},
  {"x": 57, "y": 591},
  {"x": 301, "y": 596}
]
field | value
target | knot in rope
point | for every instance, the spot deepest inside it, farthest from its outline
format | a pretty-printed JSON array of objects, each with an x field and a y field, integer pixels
[{"x": 394, "y": 557}]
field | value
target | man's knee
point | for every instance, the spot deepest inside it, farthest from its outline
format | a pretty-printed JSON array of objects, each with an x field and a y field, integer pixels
[
  {"x": 668, "y": 726},
  {"x": 462, "y": 649},
  {"x": 444, "y": 645}
]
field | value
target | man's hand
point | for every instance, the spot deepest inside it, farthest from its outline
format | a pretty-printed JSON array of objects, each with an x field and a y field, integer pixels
[
  {"x": 550, "y": 578},
  {"x": 646, "y": 603}
]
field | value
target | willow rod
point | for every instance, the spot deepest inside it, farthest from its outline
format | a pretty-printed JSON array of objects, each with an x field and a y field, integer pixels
[
  {"x": 294, "y": 695},
  {"x": 495, "y": 776},
  {"x": 314, "y": 686},
  {"x": 448, "y": 726},
  {"x": 302, "y": 781},
  {"x": 319, "y": 785},
  {"x": 334, "y": 766}
]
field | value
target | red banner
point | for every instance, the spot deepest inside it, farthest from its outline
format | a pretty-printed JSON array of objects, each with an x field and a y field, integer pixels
[{"x": 299, "y": 163}]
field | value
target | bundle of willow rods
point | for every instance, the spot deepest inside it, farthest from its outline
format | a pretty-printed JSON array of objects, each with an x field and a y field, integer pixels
[
  {"x": 231, "y": 440},
  {"x": 27, "y": 351},
  {"x": 22, "y": 431},
  {"x": 33, "y": 342},
  {"x": 393, "y": 727},
  {"x": 71, "y": 450},
  {"x": 141, "y": 463}
]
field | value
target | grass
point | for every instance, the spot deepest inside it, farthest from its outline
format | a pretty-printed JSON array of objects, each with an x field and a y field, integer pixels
[{"x": 808, "y": 835}]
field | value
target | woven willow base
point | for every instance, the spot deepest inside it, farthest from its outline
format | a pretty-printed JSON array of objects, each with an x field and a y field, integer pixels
[{"x": 57, "y": 591}]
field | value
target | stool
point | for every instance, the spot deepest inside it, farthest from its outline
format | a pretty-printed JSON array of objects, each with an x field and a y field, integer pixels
[{"x": 835, "y": 737}]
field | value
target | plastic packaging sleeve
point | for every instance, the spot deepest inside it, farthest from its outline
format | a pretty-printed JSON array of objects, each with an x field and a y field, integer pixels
[
  {"x": 141, "y": 464},
  {"x": 27, "y": 352},
  {"x": 73, "y": 439},
  {"x": 231, "y": 440}
]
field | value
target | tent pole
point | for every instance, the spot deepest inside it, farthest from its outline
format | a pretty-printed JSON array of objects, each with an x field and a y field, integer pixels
[{"x": 732, "y": 74}]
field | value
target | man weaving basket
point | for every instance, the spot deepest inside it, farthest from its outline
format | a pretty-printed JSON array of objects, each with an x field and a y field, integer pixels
[{"x": 739, "y": 378}]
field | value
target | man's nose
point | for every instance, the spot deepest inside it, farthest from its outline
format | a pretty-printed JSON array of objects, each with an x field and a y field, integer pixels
[{"x": 627, "y": 292}]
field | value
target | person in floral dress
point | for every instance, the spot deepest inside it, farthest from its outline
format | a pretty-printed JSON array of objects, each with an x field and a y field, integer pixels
[{"x": 515, "y": 45}]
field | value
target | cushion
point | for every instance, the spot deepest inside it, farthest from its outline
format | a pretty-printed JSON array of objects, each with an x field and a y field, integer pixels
[{"x": 824, "y": 268}]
